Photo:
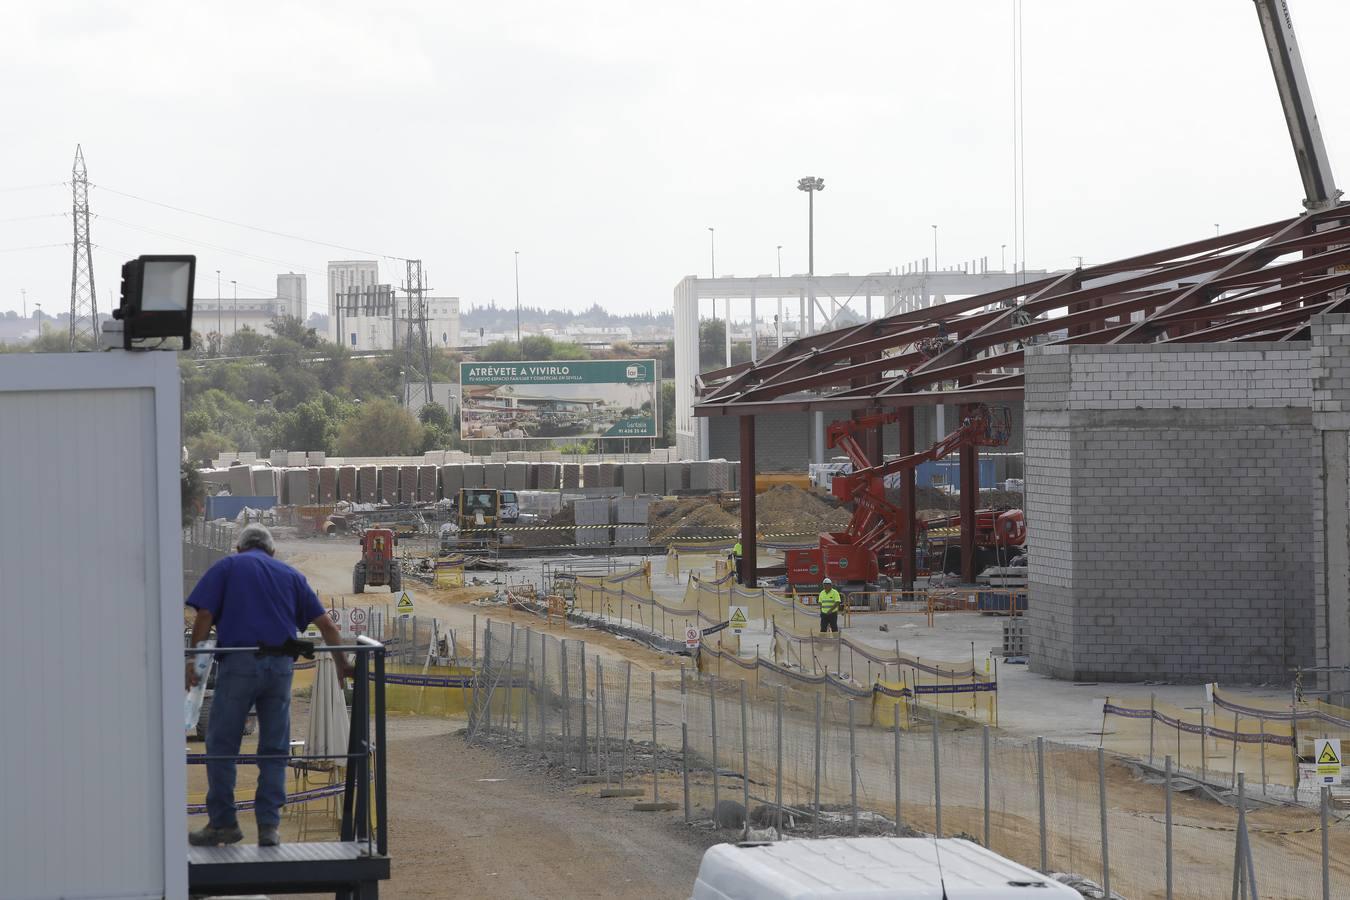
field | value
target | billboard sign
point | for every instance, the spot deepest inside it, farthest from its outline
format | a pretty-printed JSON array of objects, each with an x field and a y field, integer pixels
[{"x": 559, "y": 399}]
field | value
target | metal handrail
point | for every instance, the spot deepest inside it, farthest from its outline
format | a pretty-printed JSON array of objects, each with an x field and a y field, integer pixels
[{"x": 355, "y": 826}]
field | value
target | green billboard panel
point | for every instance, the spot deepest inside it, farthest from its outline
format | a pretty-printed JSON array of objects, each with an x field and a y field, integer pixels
[{"x": 551, "y": 400}]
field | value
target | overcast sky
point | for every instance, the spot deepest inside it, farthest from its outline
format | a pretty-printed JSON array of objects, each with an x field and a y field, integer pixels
[{"x": 602, "y": 139}]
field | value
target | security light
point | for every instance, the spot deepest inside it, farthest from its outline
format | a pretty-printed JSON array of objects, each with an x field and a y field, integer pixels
[{"x": 156, "y": 303}]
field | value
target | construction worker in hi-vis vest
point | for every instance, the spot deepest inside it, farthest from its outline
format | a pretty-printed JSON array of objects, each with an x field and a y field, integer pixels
[
  {"x": 830, "y": 602},
  {"x": 736, "y": 552}
]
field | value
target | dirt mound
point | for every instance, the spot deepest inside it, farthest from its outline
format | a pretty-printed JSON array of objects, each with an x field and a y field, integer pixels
[
  {"x": 787, "y": 509},
  {"x": 689, "y": 519}
]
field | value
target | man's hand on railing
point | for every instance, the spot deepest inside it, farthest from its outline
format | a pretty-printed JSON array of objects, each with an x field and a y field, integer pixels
[
  {"x": 190, "y": 677},
  {"x": 344, "y": 668}
]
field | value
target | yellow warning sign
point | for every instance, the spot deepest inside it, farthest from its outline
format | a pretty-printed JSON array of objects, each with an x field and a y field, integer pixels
[
  {"x": 737, "y": 621},
  {"x": 405, "y": 604},
  {"x": 1328, "y": 756}
]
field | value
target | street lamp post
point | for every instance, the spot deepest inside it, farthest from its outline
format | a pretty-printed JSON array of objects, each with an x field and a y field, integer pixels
[
  {"x": 1003, "y": 257},
  {"x": 712, "y": 251},
  {"x": 234, "y": 284},
  {"x": 780, "y": 260},
  {"x": 520, "y": 348},
  {"x": 811, "y": 184},
  {"x": 935, "y": 261},
  {"x": 219, "y": 327},
  {"x": 38, "y": 307}
]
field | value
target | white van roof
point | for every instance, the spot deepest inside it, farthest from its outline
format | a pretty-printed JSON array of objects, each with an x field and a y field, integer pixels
[{"x": 872, "y": 868}]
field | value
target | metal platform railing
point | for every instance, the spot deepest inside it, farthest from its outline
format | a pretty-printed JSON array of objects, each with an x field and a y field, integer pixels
[{"x": 359, "y": 859}]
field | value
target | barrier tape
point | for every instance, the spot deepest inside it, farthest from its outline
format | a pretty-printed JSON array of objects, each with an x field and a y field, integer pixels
[
  {"x": 720, "y": 626},
  {"x": 1310, "y": 715},
  {"x": 711, "y": 535},
  {"x": 1190, "y": 728},
  {"x": 901, "y": 659}
]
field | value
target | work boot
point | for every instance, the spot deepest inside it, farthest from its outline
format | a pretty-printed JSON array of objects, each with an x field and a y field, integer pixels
[
  {"x": 211, "y": 835},
  {"x": 268, "y": 836}
]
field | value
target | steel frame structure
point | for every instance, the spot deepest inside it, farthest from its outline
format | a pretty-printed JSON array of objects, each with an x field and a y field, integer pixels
[{"x": 1258, "y": 284}]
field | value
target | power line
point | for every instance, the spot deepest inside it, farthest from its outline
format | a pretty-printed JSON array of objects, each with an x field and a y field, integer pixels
[
  {"x": 30, "y": 218},
  {"x": 294, "y": 237},
  {"x": 33, "y": 247},
  {"x": 30, "y": 187},
  {"x": 240, "y": 253}
]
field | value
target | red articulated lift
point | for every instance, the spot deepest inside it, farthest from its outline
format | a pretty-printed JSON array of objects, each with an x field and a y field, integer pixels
[{"x": 870, "y": 547}]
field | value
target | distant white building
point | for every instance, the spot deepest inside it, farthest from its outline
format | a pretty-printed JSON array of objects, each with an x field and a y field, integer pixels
[
  {"x": 343, "y": 275},
  {"x": 375, "y": 317},
  {"x": 226, "y": 315}
]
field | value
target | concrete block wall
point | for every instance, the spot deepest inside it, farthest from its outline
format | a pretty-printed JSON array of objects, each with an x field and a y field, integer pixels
[
  {"x": 517, "y": 476},
  {"x": 474, "y": 475},
  {"x": 427, "y": 490},
  {"x": 389, "y": 484},
  {"x": 1330, "y": 373},
  {"x": 240, "y": 480},
  {"x": 571, "y": 475},
  {"x": 265, "y": 482},
  {"x": 494, "y": 475},
  {"x": 452, "y": 479},
  {"x": 1170, "y": 493},
  {"x": 327, "y": 484},
  {"x": 347, "y": 483},
  {"x": 312, "y": 477},
  {"x": 632, "y": 478}
]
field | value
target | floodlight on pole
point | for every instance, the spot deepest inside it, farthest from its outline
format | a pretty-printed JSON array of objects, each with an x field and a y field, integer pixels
[
  {"x": 780, "y": 260},
  {"x": 810, "y": 184},
  {"x": 935, "y": 261},
  {"x": 712, "y": 251}
]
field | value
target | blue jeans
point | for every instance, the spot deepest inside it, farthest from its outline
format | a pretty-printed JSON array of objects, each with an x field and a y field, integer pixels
[{"x": 244, "y": 681}]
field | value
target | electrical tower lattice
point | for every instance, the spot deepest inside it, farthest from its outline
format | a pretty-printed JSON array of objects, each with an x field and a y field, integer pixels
[
  {"x": 83, "y": 299},
  {"x": 417, "y": 349}
]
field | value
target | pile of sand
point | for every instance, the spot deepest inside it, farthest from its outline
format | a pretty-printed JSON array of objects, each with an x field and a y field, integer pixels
[
  {"x": 689, "y": 519},
  {"x": 787, "y": 509}
]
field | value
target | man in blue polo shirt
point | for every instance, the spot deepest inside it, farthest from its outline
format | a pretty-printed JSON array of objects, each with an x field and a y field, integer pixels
[{"x": 253, "y": 600}]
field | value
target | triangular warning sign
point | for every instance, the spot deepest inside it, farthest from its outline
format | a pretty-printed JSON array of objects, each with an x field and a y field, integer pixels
[
  {"x": 1328, "y": 756},
  {"x": 738, "y": 619},
  {"x": 405, "y": 603}
]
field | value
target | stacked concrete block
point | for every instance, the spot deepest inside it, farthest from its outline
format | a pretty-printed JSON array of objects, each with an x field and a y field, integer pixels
[
  {"x": 247, "y": 457},
  {"x": 516, "y": 476},
  {"x": 677, "y": 477},
  {"x": 631, "y": 510},
  {"x": 631, "y": 535},
  {"x": 347, "y": 484},
  {"x": 452, "y": 479},
  {"x": 700, "y": 475},
  {"x": 571, "y": 475},
  {"x": 277, "y": 458},
  {"x": 297, "y": 488},
  {"x": 389, "y": 484},
  {"x": 407, "y": 484},
  {"x": 631, "y": 478},
  {"x": 494, "y": 475},
  {"x": 734, "y": 476},
  {"x": 264, "y": 482},
  {"x": 536, "y": 468},
  {"x": 368, "y": 484},
  {"x": 295, "y": 458},
  {"x": 721, "y": 475},
  {"x": 473, "y": 475},
  {"x": 312, "y": 476},
  {"x": 241, "y": 481},
  {"x": 610, "y": 476},
  {"x": 316, "y": 457},
  {"x": 654, "y": 478},
  {"x": 426, "y": 484},
  {"x": 590, "y": 475},
  {"x": 1170, "y": 494},
  {"x": 550, "y": 476},
  {"x": 327, "y": 484},
  {"x": 592, "y": 520}
]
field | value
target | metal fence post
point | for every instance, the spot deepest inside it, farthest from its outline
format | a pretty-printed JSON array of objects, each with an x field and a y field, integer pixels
[
  {"x": 566, "y": 729},
  {"x": 684, "y": 738},
  {"x": 712, "y": 701},
  {"x": 1040, "y": 793},
  {"x": 1167, "y": 821},
  {"x": 601, "y": 721},
  {"x": 1152, "y": 720},
  {"x": 525, "y": 700},
  {"x": 745, "y": 763},
  {"x": 656, "y": 791},
  {"x": 510, "y": 675},
  {"x": 853, "y": 768},
  {"x": 816, "y": 797},
  {"x": 778, "y": 775},
  {"x": 896, "y": 726},
  {"x": 585, "y": 761},
  {"x": 543, "y": 693},
  {"x": 627, "y": 696},
  {"x": 937, "y": 780},
  {"x": 1101, "y": 803},
  {"x": 1326, "y": 847},
  {"x": 986, "y": 785}
]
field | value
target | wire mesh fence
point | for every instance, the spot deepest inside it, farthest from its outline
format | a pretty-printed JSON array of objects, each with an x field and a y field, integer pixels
[{"x": 768, "y": 759}]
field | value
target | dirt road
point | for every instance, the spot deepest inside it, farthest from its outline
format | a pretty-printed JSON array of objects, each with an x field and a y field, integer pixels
[{"x": 469, "y": 822}]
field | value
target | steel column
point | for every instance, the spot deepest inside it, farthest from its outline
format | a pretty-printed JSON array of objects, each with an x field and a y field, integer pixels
[
  {"x": 749, "y": 551},
  {"x": 908, "y": 501}
]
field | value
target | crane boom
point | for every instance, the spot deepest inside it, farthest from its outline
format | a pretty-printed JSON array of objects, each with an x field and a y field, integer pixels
[{"x": 1296, "y": 98}]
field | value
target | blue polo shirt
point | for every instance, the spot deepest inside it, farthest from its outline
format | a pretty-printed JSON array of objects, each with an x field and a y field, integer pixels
[{"x": 255, "y": 600}]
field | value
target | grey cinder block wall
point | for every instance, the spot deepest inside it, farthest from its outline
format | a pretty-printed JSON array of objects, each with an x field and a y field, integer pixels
[{"x": 1170, "y": 497}]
